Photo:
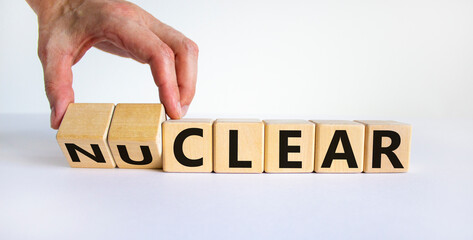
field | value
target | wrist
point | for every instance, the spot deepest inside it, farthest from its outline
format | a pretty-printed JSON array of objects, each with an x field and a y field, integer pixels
[{"x": 50, "y": 9}]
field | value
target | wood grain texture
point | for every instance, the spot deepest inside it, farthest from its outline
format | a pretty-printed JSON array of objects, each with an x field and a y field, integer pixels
[
  {"x": 248, "y": 135},
  {"x": 277, "y": 131},
  {"x": 135, "y": 135},
  {"x": 85, "y": 126},
  {"x": 387, "y": 133},
  {"x": 193, "y": 147},
  {"x": 347, "y": 141}
]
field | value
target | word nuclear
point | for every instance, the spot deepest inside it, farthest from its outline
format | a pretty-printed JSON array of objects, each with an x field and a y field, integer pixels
[{"x": 95, "y": 135}]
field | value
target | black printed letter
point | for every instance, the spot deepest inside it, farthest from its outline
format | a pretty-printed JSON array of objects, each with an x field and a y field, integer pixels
[
  {"x": 284, "y": 149},
  {"x": 234, "y": 163},
  {"x": 340, "y": 135},
  {"x": 389, "y": 151},
  {"x": 73, "y": 149},
  {"x": 147, "y": 158},
  {"x": 179, "y": 141}
]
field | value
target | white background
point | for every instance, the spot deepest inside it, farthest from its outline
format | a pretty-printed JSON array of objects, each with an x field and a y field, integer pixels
[
  {"x": 403, "y": 60},
  {"x": 292, "y": 59}
]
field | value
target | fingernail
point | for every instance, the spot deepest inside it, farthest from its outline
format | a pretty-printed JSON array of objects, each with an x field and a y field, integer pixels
[
  {"x": 184, "y": 110},
  {"x": 179, "y": 109},
  {"x": 53, "y": 116}
]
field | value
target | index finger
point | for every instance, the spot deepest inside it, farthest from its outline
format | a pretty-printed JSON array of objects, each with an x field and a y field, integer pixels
[
  {"x": 147, "y": 47},
  {"x": 186, "y": 57}
]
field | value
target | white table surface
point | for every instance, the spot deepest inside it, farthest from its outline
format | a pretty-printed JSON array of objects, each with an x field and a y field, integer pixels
[{"x": 41, "y": 197}]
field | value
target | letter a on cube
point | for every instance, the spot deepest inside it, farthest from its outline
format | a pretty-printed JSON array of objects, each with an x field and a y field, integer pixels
[{"x": 339, "y": 146}]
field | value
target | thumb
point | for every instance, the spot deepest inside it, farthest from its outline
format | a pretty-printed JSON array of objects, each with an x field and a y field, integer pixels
[{"x": 58, "y": 85}]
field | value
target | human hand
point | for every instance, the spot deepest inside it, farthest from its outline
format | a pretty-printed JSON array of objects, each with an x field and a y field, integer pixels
[{"x": 68, "y": 28}]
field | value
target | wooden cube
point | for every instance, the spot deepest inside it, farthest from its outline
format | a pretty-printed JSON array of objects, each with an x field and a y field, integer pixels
[
  {"x": 187, "y": 145},
  {"x": 238, "y": 146},
  {"x": 82, "y": 135},
  {"x": 339, "y": 146},
  {"x": 288, "y": 146},
  {"x": 387, "y": 146},
  {"x": 135, "y": 135}
]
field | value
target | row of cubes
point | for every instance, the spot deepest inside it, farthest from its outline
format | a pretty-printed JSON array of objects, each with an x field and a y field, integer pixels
[{"x": 95, "y": 135}]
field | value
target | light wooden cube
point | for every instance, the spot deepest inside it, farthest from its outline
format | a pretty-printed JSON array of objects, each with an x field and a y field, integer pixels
[
  {"x": 238, "y": 146},
  {"x": 387, "y": 146},
  {"x": 339, "y": 146},
  {"x": 82, "y": 135},
  {"x": 288, "y": 146},
  {"x": 135, "y": 135},
  {"x": 187, "y": 145}
]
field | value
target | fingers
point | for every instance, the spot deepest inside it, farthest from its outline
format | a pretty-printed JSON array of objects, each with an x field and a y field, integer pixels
[
  {"x": 58, "y": 84},
  {"x": 162, "y": 67},
  {"x": 186, "y": 70},
  {"x": 186, "y": 56},
  {"x": 145, "y": 46}
]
